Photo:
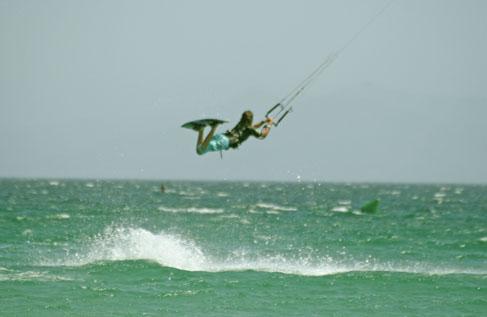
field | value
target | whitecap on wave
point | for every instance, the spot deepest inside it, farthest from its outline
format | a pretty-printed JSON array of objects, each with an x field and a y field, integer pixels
[
  {"x": 175, "y": 251},
  {"x": 119, "y": 244},
  {"x": 61, "y": 216},
  {"x": 191, "y": 210},
  {"x": 343, "y": 206},
  {"x": 273, "y": 207},
  {"x": 341, "y": 209}
]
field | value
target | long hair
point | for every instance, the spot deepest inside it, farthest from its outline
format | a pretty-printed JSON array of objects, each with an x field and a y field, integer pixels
[
  {"x": 235, "y": 133},
  {"x": 246, "y": 120}
]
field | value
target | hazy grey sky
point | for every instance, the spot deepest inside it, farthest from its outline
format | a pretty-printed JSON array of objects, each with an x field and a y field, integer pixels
[{"x": 99, "y": 89}]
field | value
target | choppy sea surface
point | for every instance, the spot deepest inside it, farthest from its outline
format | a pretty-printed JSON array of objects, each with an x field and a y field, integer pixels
[{"x": 124, "y": 248}]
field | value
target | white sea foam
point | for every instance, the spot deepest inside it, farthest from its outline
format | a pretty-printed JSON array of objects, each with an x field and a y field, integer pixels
[
  {"x": 119, "y": 244},
  {"x": 191, "y": 210},
  {"x": 10, "y": 275},
  {"x": 439, "y": 195},
  {"x": 274, "y": 207},
  {"x": 459, "y": 190},
  {"x": 341, "y": 209},
  {"x": 175, "y": 251},
  {"x": 61, "y": 216},
  {"x": 194, "y": 193},
  {"x": 27, "y": 232}
]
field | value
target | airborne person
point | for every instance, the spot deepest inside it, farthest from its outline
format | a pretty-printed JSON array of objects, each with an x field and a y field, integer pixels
[{"x": 233, "y": 138}]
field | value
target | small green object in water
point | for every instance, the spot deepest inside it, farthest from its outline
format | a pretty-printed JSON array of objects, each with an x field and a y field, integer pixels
[{"x": 370, "y": 207}]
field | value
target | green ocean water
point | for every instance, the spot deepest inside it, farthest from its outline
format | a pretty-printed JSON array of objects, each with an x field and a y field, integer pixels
[{"x": 124, "y": 248}]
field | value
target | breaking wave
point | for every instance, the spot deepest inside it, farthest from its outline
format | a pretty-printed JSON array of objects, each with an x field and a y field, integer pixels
[{"x": 171, "y": 250}]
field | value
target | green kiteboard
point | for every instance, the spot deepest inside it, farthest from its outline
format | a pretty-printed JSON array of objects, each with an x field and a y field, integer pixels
[{"x": 198, "y": 124}]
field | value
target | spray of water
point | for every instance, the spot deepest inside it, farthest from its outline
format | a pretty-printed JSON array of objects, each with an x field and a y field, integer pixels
[{"x": 171, "y": 250}]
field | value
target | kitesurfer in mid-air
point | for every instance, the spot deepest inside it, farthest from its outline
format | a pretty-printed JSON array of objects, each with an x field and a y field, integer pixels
[{"x": 233, "y": 138}]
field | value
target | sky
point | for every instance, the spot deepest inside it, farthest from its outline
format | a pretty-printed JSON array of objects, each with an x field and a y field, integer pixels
[{"x": 99, "y": 89}]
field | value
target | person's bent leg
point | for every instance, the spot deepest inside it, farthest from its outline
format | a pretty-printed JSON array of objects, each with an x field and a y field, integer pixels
[
  {"x": 205, "y": 143},
  {"x": 199, "y": 142}
]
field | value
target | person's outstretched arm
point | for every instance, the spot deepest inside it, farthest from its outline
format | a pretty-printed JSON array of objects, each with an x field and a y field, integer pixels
[{"x": 266, "y": 120}]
